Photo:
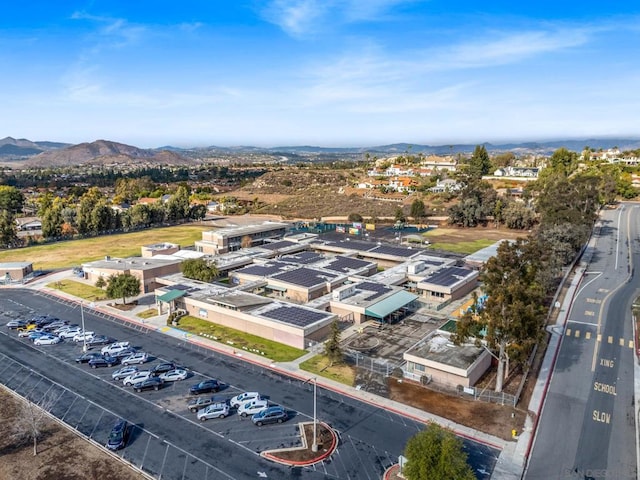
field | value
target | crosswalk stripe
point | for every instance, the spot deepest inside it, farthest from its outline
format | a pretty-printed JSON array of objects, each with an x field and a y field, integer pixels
[
  {"x": 599, "y": 339},
  {"x": 622, "y": 342},
  {"x": 577, "y": 333},
  {"x": 568, "y": 332},
  {"x": 630, "y": 343},
  {"x": 610, "y": 339},
  {"x": 587, "y": 335}
]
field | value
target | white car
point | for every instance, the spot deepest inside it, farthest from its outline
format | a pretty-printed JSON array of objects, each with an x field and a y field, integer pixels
[
  {"x": 114, "y": 348},
  {"x": 138, "y": 357},
  {"x": 136, "y": 377},
  {"x": 70, "y": 333},
  {"x": 215, "y": 410},
  {"x": 82, "y": 336},
  {"x": 25, "y": 333},
  {"x": 124, "y": 372},
  {"x": 173, "y": 375},
  {"x": 244, "y": 398},
  {"x": 253, "y": 407},
  {"x": 47, "y": 340}
]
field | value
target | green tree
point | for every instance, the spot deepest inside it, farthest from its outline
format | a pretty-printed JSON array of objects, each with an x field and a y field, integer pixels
[
  {"x": 52, "y": 221},
  {"x": 354, "y": 217},
  {"x": 399, "y": 215},
  {"x": 199, "y": 269},
  {"x": 101, "y": 282},
  {"x": 85, "y": 223},
  {"x": 11, "y": 199},
  {"x": 332, "y": 348},
  {"x": 178, "y": 205},
  {"x": 8, "y": 230},
  {"x": 480, "y": 163},
  {"x": 197, "y": 212},
  {"x": 123, "y": 286},
  {"x": 418, "y": 210},
  {"x": 436, "y": 454},
  {"x": 511, "y": 319}
]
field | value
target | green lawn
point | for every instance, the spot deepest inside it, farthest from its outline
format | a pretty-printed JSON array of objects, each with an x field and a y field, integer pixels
[
  {"x": 319, "y": 365},
  {"x": 80, "y": 290},
  {"x": 275, "y": 351},
  {"x": 77, "y": 252},
  {"x": 466, "y": 248}
]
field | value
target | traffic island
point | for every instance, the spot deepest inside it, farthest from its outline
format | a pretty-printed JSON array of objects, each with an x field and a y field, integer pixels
[
  {"x": 303, "y": 456},
  {"x": 393, "y": 473}
]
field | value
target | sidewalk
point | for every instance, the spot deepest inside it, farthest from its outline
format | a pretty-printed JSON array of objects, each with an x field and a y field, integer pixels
[{"x": 508, "y": 466}]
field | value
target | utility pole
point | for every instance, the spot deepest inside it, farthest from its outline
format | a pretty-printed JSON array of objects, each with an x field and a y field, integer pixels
[
  {"x": 84, "y": 335},
  {"x": 314, "y": 445}
]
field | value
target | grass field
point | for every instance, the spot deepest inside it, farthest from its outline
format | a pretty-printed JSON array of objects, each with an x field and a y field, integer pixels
[
  {"x": 79, "y": 290},
  {"x": 466, "y": 248},
  {"x": 319, "y": 365},
  {"x": 75, "y": 252},
  {"x": 275, "y": 351}
]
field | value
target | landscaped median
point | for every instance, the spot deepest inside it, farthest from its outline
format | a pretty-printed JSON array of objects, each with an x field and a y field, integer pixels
[{"x": 303, "y": 456}]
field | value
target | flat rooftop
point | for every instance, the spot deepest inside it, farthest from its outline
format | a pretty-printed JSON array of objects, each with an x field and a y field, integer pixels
[{"x": 439, "y": 348}]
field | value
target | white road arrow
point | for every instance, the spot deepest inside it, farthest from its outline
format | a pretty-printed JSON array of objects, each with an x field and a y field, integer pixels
[{"x": 262, "y": 474}]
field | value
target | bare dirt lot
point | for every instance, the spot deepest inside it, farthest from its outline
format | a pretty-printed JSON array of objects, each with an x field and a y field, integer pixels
[{"x": 61, "y": 453}]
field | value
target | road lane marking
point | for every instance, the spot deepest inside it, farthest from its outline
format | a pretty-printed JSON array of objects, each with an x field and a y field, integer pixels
[
  {"x": 609, "y": 339},
  {"x": 594, "y": 300},
  {"x": 630, "y": 343},
  {"x": 587, "y": 335},
  {"x": 599, "y": 339},
  {"x": 590, "y": 313},
  {"x": 568, "y": 332},
  {"x": 591, "y": 324},
  {"x": 622, "y": 342},
  {"x": 577, "y": 335},
  {"x": 602, "y": 417},
  {"x": 605, "y": 388}
]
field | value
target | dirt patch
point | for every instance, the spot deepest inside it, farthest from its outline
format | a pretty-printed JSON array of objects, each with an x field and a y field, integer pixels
[
  {"x": 325, "y": 439},
  {"x": 62, "y": 453},
  {"x": 452, "y": 234},
  {"x": 494, "y": 419}
]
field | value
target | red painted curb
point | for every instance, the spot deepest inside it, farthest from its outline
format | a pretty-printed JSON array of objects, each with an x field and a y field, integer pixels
[{"x": 391, "y": 470}]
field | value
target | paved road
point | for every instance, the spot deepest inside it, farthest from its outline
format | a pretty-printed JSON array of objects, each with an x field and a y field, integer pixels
[
  {"x": 167, "y": 440},
  {"x": 587, "y": 427}
]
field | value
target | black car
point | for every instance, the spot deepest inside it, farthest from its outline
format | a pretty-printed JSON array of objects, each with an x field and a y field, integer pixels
[
  {"x": 118, "y": 435},
  {"x": 151, "y": 382},
  {"x": 42, "y": 320},
  {"x": 163, "y": 368},
  {"x": 274, "y": 414},
  {"x": 205, "y": 386},
  {"x": 85, "y": 357},
  {"x": 103, "y": 361}
]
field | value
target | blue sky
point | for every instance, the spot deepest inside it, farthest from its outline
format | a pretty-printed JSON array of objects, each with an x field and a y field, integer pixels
[{"x": 318, "y": 72}]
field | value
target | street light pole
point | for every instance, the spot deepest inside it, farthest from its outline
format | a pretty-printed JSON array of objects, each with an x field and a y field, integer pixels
[
  {"x": 314, "y": 445},
  {"x": 84, "y": 336}
]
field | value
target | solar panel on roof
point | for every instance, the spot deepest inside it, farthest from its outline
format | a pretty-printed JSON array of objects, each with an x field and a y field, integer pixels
[
  {"x": 448, "y": 276},
  {"x": 304, "y": 277},
  {"x": 344, "y": 264},
  {"x": 292, "y": 315},
  {"x": 395, "y": 251},
  {"x": 277, "y": 245}
]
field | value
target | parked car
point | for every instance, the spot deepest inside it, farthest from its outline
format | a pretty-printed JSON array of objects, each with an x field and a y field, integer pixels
[
  {"x": 85, "y": 357},
  {"x": 124, "y": 372},
  {"x": 55, "y": 325},
  {"x": 138, "y": 357},
  {"x": 82, "y": 336},
  {"x": 174, "y": 375},
  {"x": 205, "y": 386},
  {"x": 70, "y": 333},
  {"x": 199, "y": 403},
  {"x": 118, "y": 436},
  {"x": 215, "y": 410},
  {"x": 124, "y": 353},
  {"x": 163, "y": 368},
  {"x": 99, "y": 340},
  {"x": 114, "y": 348},
  {"x": 36, "y": 333},
  {"x": 269, "y": 415},
  {"x": 147, "y": 383},
  {"x": 136, "y": 377},
  {"x": 58, "y": 331},
  {"x": 103, "y": 361},
  {"x": 42, "y": 320},
  {"x": 13, "y": 324},
  {"x": 25, "y": 332},
  {"x": 252, "y": 407},
  {"x": 47, "y": 340},
  {"x": 28, "y": 328},
  {"x": 244, "y": 398}
]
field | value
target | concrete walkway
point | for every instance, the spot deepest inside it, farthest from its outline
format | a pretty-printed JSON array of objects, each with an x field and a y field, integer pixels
[{"x": 510, "y": 462}]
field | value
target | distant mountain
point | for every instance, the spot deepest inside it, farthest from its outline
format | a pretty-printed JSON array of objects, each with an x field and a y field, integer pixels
[
  {"x": 21, "y": 147},
  {"x": 104, "y": 152}
]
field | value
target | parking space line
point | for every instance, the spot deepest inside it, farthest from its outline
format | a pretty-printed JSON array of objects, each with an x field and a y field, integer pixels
[{"x": 82, "y": 416}]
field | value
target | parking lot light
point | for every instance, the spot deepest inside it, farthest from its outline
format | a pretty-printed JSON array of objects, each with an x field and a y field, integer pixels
[
  {"x": 84, "y": 336},
  {"x": 314, "y": 445}
]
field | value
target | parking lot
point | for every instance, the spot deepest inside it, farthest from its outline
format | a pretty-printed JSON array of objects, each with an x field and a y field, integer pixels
[{"x": 167, "y": 439}]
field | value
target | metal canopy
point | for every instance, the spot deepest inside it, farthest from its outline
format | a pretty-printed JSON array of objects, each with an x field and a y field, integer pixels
[
  {"x": 171, "y": 295},
  {"x": 390, "y": 304}
]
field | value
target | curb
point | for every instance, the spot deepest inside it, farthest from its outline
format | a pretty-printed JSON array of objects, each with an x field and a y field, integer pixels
[
  {"x": 393, "y": 469},
  {"x": 269, "y": 454}
]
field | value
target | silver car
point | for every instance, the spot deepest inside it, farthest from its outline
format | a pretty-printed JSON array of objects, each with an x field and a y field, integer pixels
[
  {"x": 137, "y": 358},
  {"x": 123, "y": 373}
]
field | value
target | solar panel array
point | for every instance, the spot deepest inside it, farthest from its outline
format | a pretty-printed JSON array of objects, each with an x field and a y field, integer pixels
[
  {"x": 448, "y": 276},
  {"x": 304, "y": 277},
  {"x": 395, "y": 251},
  {"x": 300, "y": 317},
  {"x": 278, "y": 245},
  {"x": 377, "y": 289},
  {"x": 345, "y": 264},
  {"x": 265, "y": 270},
  {"x": 359, "y": 246},
  {"x": 302, "y": 258}
]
